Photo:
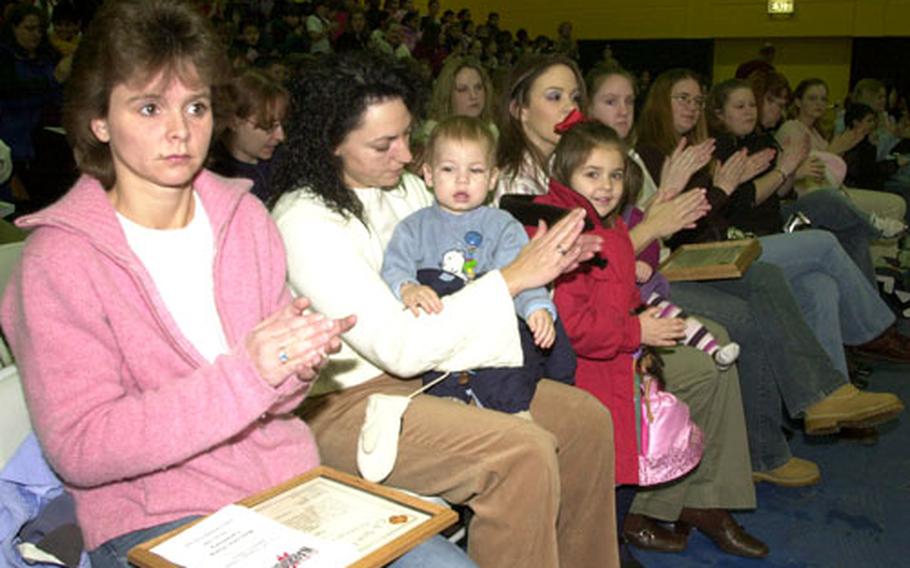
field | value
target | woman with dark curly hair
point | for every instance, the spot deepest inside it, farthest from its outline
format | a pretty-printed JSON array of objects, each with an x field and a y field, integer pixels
[{"x": 343, "y": 190}]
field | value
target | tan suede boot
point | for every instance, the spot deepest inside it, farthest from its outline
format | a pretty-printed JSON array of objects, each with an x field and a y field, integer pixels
[
  {"x": 797, "y": 472},
  {"x": 848, "y": 407}
]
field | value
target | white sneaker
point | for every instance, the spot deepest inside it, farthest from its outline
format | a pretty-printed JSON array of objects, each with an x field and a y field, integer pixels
[
  {"x": 889, "y": 228},
  {"x": 726, "y": 355}
]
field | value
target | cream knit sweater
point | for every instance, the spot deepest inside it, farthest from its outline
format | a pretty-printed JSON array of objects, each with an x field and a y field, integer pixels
[{"x": 335, "y": 262}]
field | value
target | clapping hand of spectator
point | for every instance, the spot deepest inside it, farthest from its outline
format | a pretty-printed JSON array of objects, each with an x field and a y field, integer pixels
[
  {"x": 729, "y": 175},
  {"x": 682, "y": 164}
]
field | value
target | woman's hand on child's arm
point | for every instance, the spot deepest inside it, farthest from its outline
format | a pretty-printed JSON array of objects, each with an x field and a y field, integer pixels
[
  {"x": 294, "y": 341},
  {"x": 643, "y": 271},
  {"x": 660, "y": 332},
  {"x": 417, "y": 296},
  {"x": 541, "y": 324}
]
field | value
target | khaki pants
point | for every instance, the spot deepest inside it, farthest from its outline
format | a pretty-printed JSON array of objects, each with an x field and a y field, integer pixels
[
  {"x": 882, "y": 204},
  {"x": 723, "y": 479},
  {"x": 542, "y": 492}
]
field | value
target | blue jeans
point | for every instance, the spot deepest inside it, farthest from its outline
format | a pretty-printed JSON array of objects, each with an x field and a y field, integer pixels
[
  {"x": 112, "y": 554},
  {"x": 781, "y": 366},
  {"x": 833, "y": 211},
  {"x": 436, "y": 552},
  {"x": 840, "y": 305}
]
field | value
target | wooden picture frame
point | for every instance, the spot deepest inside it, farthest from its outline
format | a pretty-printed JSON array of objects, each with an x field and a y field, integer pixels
[
  {"x": 438, "y": 518},
  {"x": 711, "y": 261}
]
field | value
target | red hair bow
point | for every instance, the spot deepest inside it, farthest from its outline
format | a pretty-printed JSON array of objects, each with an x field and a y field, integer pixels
[{"x": 569, "y": 121}]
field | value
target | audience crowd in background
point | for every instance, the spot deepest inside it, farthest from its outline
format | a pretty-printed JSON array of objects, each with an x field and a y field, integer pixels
[{"x": 331, "y": 102}]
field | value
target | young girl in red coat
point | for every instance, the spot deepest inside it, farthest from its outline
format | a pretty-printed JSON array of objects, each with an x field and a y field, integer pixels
[
  {"x": 600, "y": 306},
  {"x": 600, "y": 303}
]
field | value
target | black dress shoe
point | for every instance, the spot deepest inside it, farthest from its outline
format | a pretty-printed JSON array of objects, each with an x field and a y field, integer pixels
[
  {"x": 720, "y": 527},
  {"x": 644, "y": 532}
]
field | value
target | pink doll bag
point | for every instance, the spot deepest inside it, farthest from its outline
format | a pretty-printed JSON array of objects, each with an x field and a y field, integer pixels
[{"x": 671, "y": 443}]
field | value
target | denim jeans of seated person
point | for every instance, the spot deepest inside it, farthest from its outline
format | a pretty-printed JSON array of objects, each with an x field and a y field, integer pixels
[
  {"x": 782, "y": 366},
  {"x": 831, "y": 210},
  {"x": 436, "y": 552},
  {"x": 840, "y": 304}
]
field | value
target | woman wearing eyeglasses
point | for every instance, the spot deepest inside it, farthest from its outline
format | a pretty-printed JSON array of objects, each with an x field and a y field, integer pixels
[{"x": 252, "y": 131}]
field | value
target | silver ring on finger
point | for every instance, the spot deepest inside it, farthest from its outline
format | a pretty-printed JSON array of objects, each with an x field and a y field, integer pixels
[{"x": 283, "y": 356}]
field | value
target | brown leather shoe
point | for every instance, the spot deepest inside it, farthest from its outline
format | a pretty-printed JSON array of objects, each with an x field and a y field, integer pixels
[
  {"x": 720, "y": 527},
  {"x": 889, "y": 346},
  {"x": 644, "y": 532}
]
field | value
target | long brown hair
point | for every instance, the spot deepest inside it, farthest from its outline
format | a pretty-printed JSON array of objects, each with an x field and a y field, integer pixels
[
  {"x": 513, "y": 142},
  {"x": 655, "y": 125}
]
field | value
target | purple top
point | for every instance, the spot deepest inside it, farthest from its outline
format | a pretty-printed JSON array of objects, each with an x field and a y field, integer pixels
[{"x": 651, "y": 255}]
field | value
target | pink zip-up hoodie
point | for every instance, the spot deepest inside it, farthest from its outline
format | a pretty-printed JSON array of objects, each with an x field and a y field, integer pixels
[{"x": 140, "y": 427}]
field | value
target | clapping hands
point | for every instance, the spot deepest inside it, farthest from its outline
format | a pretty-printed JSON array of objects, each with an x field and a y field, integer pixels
[{"x": 294, "y": 341}]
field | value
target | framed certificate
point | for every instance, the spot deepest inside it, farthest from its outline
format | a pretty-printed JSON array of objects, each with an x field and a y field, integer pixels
[
  {"x": 711, "y": 261},
  {"x": 377, "y": 522}
]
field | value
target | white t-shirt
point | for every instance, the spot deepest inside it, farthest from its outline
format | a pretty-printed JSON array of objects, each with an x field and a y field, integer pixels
[{"x": 181, "y": 263}]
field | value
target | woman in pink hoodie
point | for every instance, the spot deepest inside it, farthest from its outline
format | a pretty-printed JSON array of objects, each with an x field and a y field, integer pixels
[{"x": 160, "y": 350}]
